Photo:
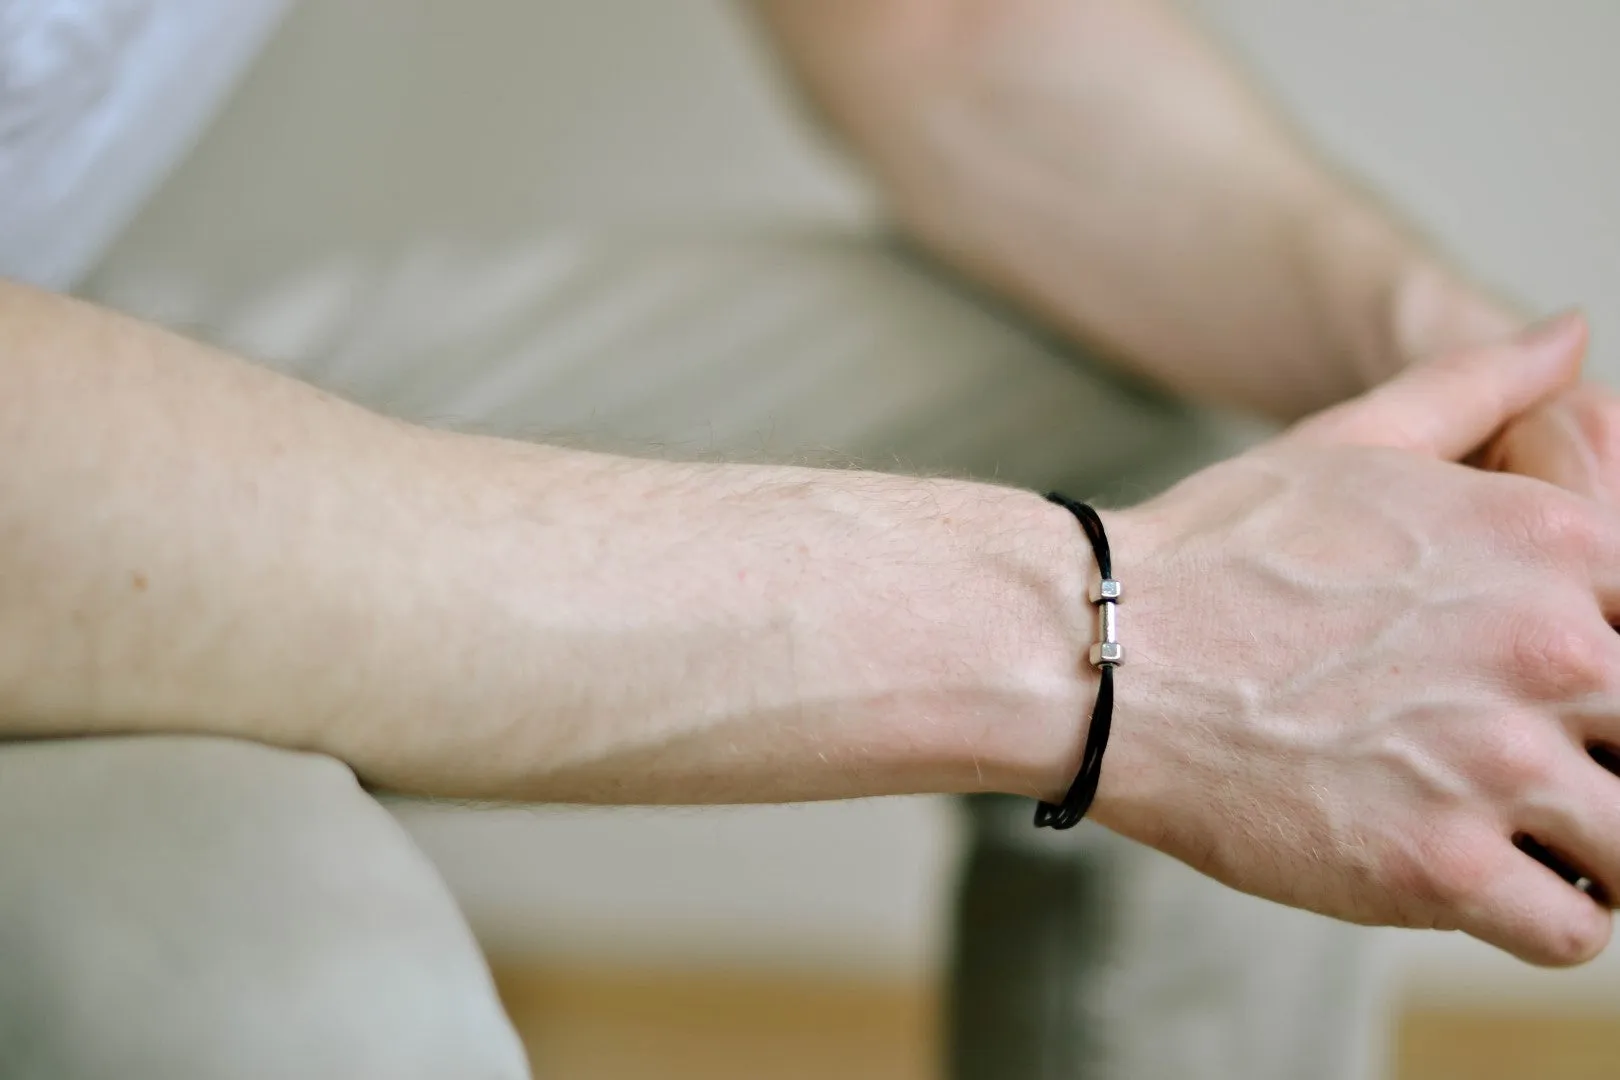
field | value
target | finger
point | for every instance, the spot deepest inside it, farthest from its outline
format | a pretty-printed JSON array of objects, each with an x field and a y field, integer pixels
[
  {"x": 1594, "y": 730},
  {"x": 1574, "y": 828},
  {"x": 1448, "y": 406},
  {"x": 1594, "y": 412},
  {"x": 1597, "y": 540},
  {"x": 1568, "y": 868},
  {"x": 1528, "y": 910},
  {"x": 1549, "y": 445},
  {"x": 1575, "y": 536}
]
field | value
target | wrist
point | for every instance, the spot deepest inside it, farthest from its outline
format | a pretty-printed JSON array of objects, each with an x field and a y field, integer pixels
[
  {"x": 1044, "y": 755},
  {"x": 935, "y": 632},
  {"x": 1033, "y": 630},
  {"x": 1127, "y": 800}
]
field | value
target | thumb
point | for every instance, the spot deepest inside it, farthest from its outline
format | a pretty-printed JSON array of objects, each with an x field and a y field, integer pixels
[{"x": 1452, "y": 404}]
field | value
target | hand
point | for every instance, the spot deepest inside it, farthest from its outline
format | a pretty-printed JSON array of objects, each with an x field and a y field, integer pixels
[
  {"x": 1359, "y": 673},
  {"x": 1572, "y": 440}
]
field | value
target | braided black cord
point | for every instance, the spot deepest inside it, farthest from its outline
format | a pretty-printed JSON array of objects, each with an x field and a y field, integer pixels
[{"x": 1068, "y": 813}]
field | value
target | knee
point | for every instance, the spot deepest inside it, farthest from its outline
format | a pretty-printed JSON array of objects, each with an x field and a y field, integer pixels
[
  {"x": 394, "y": 1023},
  {"x": 195, "y": 908}
]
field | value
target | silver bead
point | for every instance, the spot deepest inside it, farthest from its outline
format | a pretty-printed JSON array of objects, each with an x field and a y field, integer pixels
[
  {"x": 1107, "y": 650},
  {"x": 1106, "y": 589},
  {"x": 1110, "y": 653}
]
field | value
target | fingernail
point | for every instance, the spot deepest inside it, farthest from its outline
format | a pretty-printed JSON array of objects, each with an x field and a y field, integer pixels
[{"x": 1553, "y": 330}]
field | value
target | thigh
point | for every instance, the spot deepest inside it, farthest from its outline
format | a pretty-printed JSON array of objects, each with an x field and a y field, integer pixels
[
  {"x": 176, "y": 908},
  {"x": 485, "y": 265},
  {"x": 814, "y": 346}
]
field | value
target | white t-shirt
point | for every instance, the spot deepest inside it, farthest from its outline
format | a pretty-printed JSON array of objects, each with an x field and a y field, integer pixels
[{"x": 98, "y": 100}]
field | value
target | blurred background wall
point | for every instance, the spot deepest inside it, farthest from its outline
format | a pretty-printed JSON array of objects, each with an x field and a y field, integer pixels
[{"x": 1494, "y": 122}]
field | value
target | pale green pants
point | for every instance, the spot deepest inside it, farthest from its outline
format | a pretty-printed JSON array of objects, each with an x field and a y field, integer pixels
[{"x": 543, "y": 221}]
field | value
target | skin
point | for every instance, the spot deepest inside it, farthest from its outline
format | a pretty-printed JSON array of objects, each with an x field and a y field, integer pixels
[
  {"x": 1101, "y": 164},
  {"x": 193, "y": 543},
  {"x": 1358, "y": 668},
  {"x": 1289, "y": 697}
]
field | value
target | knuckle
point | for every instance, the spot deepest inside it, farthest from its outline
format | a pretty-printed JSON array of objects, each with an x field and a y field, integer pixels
[
  {"x": 1512, "y": 756},
  {"x": 1408, "y": 871},
  {"x": 1433, "y": 869},
  {"x": 1552, "y": 657},
  {"x": 1455, "y": 870},
  {"x": 1558, "y": 524}
]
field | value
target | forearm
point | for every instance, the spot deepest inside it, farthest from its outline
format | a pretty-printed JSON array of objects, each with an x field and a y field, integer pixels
[
  {"x": 188, "y": 542},
  {"x": 1099, "y": 162}
]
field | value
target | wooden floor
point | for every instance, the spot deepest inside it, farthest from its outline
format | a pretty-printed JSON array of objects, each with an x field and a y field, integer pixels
[
  {"x": 1502, "y": 1045},
  {"x": 608, "y": 1025},
  {"x": 584, "y": 1025}
]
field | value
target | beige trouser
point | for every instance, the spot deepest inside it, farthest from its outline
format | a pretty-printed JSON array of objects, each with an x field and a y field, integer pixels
[{"x": 377, "y": 212}]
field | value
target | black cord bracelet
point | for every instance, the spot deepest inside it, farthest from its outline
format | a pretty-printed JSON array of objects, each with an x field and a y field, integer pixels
[{"x": 1106, "y": 655}]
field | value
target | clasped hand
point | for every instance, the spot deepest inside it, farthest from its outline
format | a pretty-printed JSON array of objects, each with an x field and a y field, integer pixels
[{"x": 1368, "y": 680}]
